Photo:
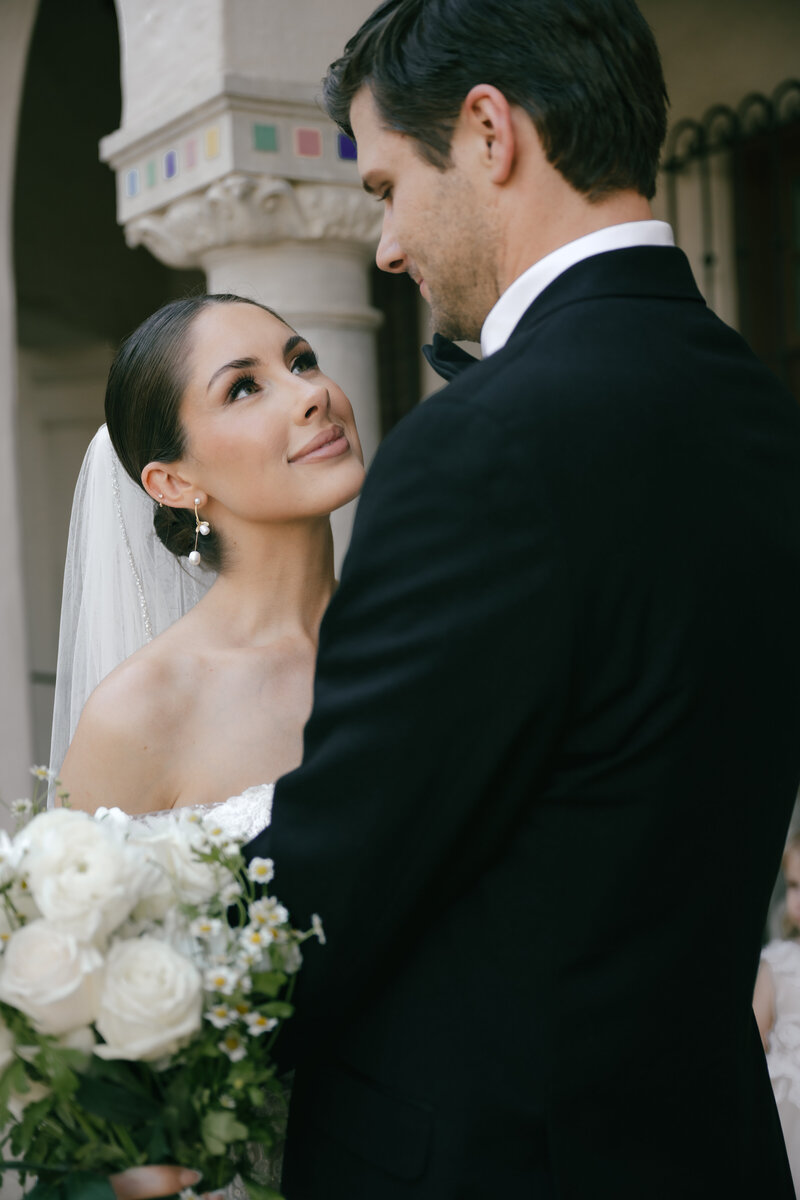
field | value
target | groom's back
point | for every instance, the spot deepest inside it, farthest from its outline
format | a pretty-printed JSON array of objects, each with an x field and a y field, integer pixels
[{"x": 575, "y": 1005}]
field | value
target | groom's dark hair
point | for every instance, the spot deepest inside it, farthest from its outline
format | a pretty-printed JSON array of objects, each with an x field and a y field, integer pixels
[{"x": 587, "y": 72}]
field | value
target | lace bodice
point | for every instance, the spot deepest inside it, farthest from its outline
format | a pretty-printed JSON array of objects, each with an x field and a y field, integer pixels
[
  {"x": 245, "y": 815},
  {"x": 241, "y": 816}
]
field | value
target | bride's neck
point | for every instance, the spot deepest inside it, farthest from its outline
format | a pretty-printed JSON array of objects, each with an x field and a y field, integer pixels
[{"x": 276, "y": 582}]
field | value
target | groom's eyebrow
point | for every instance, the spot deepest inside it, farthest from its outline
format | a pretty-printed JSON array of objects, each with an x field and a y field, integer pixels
[{"x": 236, "y": 364}]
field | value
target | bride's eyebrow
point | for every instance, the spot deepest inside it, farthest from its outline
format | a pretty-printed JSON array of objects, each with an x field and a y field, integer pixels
[{"x": 236, "y": 364}]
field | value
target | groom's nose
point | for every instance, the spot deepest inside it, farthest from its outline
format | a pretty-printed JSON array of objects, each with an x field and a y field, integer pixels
[{"x": 389, "y": 256}]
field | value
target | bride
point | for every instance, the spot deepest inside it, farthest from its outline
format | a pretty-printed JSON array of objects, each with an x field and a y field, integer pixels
[
  {"x": 220, "y": 413},
  {"x": 199, "y": 566}
]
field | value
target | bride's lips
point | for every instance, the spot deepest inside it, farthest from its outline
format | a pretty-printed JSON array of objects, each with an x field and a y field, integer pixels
[{"x": 329, "y": 444}]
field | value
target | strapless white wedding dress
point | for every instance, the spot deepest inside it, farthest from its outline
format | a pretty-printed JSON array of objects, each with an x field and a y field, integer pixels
[{"x": 243, "y": 816}]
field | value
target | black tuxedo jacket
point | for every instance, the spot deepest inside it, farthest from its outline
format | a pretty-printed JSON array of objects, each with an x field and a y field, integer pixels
[{"x": 552, "y": 757}]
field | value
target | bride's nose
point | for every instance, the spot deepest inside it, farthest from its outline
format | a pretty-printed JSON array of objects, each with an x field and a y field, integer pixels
[{"x": 313, "y": 398}]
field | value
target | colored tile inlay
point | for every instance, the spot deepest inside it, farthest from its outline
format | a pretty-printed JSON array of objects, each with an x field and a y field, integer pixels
[
  {"x": 212, "y": 142},
  {"x": 308, "y": 143},
  {"x": 170, "y": 164},
  {"x": 347, "y": 147},
  {"x": 132, "y": 183},
  {"x": 151, "y": 173},
  {"x": 190, "y": 153},
  {"x": 265, "y": 137}
]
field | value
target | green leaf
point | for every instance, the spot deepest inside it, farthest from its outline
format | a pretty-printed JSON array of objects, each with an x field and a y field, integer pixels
[
  {"x": 277, "y": 1008},
  {"x": 83, "y": 1185},
  {"x": 261, "y": 1191},
  {"x": 158, "y": 1146},
  {"x": 13, "y": 1079},
  {"x": 220, "y": 1127},
  {"x": 269, "y": 983},
  {"x": 213, "y": 1145},
  {"x": 113, "y": 1102},
  {"x": 45, "y": 1189}
]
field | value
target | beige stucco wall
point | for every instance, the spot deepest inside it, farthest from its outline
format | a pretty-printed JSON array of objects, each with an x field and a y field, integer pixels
[
  {"x": 718, "y": 52},
  {"x": 16, "y": 23}
]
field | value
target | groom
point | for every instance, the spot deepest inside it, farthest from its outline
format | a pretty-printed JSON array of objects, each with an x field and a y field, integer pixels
[{"x": 556, "y": 731}]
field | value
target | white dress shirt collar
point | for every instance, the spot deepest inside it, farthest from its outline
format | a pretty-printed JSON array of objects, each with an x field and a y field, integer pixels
[{"x": 516, "y": 299}]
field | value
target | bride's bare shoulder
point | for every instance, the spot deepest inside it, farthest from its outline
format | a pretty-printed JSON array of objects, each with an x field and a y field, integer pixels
[
  {"x": 152, "y": 685},
  {"x": 128, "y": 740}
]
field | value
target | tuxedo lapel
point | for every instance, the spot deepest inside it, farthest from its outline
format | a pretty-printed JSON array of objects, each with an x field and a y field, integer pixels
[{"x": 656, "y": 272}]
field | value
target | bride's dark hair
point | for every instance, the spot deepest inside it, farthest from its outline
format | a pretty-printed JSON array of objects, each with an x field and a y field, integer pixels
[{"x": 143, "y": 396}]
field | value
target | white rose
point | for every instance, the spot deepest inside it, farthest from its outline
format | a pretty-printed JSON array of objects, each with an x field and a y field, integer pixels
[
  {"x": 41, "y": 827},
  {"x": 170, "y": 844},
  {"x": 151, "y": 1001},
  {"x": 50, "y": 977},
  {"x": 82, "y": 874}
]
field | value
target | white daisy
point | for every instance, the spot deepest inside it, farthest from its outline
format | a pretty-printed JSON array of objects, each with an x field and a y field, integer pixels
[
  {"x": 234, "y": 1045},
  {"x": 220, "y": 1016},
  {"x": 205, "y": 927},
  {"x": 261, "y": 870},
  {"x": 257, "y": 1023},
  {"x": 221, "y": 979}
]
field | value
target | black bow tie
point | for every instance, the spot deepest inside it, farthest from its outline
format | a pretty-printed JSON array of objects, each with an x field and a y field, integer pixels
[{"x": 446, "y": 358}]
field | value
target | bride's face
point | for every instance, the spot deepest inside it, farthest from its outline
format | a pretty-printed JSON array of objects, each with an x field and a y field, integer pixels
[{"x": 269, "y": 437}]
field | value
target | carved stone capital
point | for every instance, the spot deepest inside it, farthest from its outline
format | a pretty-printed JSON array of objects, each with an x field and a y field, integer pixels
[{"x": 254, "y": 210}]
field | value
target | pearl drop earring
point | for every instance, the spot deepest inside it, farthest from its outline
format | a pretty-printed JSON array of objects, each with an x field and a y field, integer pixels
[{"x": 200, "y": 527}]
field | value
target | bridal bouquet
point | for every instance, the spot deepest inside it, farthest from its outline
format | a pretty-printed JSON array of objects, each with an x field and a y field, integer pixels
[{"x": 135, "y": 1022}]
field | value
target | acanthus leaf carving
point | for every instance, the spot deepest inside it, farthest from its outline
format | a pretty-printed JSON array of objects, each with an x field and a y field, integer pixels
[{"x": 254, "y": 210}]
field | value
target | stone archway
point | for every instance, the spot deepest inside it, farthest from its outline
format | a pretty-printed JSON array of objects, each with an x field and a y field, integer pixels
[{"x": 79, "y": 290}]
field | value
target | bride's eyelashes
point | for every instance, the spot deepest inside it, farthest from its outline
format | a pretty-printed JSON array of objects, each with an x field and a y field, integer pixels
[
  {"x": 243, "y": 385},
  {"x": 305, "y": 361},
  {"x": 246, "y": 384}
]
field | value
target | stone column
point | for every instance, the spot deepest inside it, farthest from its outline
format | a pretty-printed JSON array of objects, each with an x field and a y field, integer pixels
[{"x": 263, "y": 195}]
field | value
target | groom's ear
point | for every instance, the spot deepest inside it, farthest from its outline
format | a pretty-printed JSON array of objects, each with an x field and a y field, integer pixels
[
  {"x": 486, "y": 115},
  {"x": 166, "y": 485}
]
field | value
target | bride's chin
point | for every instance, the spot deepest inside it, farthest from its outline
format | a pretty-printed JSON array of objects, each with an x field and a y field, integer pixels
[{"x": 351, "y": 487}]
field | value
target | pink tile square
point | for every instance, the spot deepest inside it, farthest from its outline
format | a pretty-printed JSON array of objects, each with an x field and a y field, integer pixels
[
  {"x": 190, "y": 153},
  {"x": 308, "y": 143}
]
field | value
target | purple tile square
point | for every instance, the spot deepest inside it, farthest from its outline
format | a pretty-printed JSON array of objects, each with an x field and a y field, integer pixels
[{"x": 347, "y": 147}]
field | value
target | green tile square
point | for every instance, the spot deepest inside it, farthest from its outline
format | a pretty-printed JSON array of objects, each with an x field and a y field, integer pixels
[
  {"x": 265, "y": 137},
  {"x": 150, "y": 170}
]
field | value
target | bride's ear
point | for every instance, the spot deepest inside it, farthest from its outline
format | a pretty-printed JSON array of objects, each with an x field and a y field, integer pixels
[{"x": 167, "y": 486}]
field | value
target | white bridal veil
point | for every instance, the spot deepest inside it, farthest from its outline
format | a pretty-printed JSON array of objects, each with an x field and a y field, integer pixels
[{"x": 122, "y": 587}]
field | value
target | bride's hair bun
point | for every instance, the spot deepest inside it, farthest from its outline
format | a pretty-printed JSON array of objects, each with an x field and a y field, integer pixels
[
  {"x": 175, "y": 527},
  {"x": 143, "y": 398}
]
